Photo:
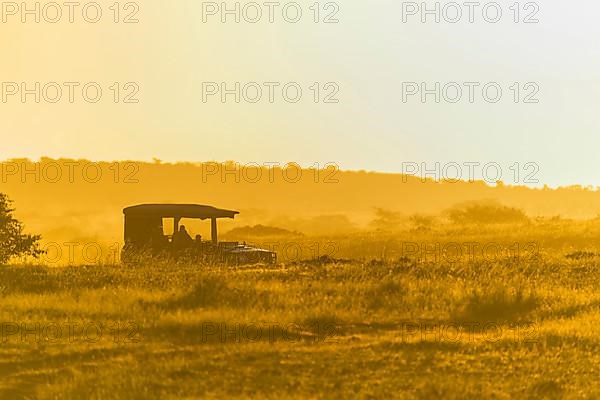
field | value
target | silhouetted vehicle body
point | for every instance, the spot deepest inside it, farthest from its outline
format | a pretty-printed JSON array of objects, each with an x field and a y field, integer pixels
[{"x": 145, "y": 238}]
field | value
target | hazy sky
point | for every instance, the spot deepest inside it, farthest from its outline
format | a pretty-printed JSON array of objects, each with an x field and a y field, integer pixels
[{"x": 369, "y": 54}]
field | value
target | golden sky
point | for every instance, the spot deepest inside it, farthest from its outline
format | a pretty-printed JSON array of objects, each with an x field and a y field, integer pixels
[{"x": 170, "y": 53}]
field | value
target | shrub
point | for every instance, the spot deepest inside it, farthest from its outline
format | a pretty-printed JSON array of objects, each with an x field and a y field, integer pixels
[
  {"x": 486, "y": 213},
  {"x": 13, "y": 242}
]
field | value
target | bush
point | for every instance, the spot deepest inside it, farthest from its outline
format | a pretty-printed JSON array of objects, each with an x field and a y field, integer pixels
[
  {"x": 387, "y": 220},
  {"x": 13, "y": 242},
  {"x": 486, "y": 213}
]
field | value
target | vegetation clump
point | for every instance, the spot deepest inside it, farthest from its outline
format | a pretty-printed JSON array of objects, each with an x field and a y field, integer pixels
[
  {"x": 486, "y": 213},
  {"x": 13, "y": 242}
]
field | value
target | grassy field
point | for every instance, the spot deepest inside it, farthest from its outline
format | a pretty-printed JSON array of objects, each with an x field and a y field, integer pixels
[{"x": 403, "y": 315}]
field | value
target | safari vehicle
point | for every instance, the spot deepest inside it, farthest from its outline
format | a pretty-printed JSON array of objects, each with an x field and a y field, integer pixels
[{"x": 145, "y": 236}]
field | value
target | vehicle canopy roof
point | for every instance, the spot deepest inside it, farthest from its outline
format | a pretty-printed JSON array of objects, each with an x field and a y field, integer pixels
[{"x": 178, "y": 211}]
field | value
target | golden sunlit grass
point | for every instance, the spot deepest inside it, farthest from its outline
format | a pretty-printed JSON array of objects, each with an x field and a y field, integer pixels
[{"x": 523, "y": 325}]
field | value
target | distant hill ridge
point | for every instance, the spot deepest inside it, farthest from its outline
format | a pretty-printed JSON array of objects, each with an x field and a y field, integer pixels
[{"x": 62, "y": 198}]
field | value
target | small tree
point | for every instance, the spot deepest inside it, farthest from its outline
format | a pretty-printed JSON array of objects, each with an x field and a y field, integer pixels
[
  {"x": 13, "y": 242},
  {"x": 387, "y": 220},
  {"x": 420, "y": 221}
]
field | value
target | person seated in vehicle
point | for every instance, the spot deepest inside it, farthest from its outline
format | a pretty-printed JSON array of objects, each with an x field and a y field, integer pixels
[
  {"x": 182, "y": 238},
  {"x": 157, "y": 239}
]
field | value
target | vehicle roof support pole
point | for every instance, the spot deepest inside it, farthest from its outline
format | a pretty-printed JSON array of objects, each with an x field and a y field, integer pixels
[{"x": 213, "y": 231}]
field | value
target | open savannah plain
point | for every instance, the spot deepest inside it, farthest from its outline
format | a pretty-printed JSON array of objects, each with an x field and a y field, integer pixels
[{"x": 463, "y": 298}]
